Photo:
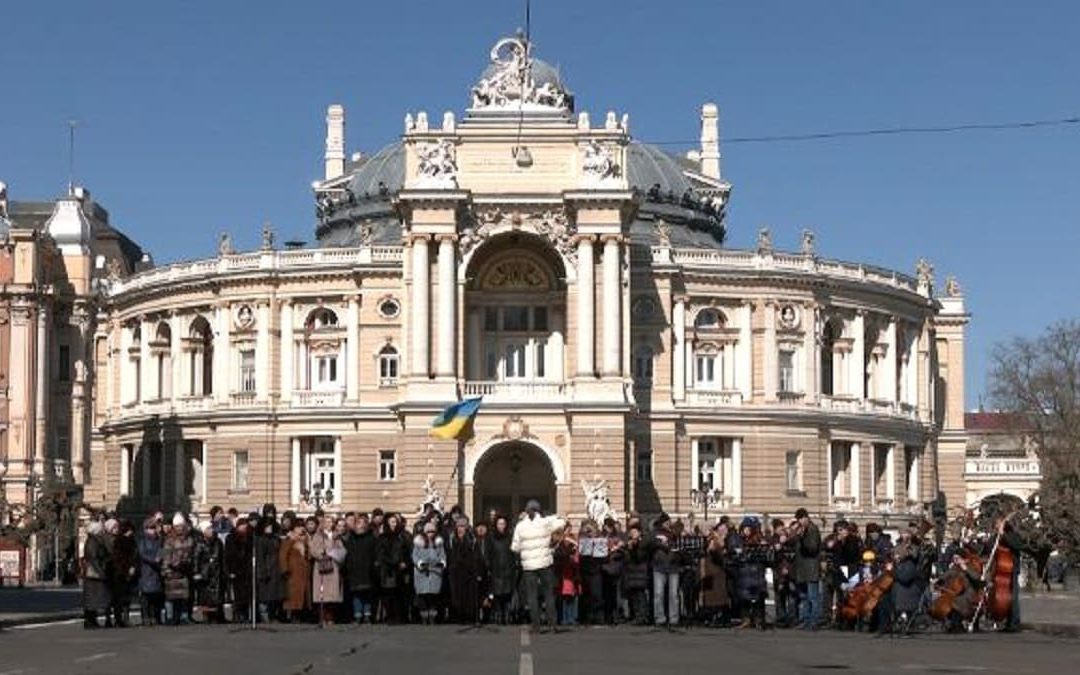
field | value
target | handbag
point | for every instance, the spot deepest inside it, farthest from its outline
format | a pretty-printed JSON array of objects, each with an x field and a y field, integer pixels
[{"x": 325, "y": 565}]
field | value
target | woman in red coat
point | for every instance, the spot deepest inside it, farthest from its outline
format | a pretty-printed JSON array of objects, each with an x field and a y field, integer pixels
[{"x": 295, "y": 568}]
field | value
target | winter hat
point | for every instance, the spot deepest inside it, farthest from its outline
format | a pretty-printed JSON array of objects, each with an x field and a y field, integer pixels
[
  {"x": 178, "y": 520},
  {"x": 206, "y": 526},
  {"x": 532, "y": 505},
  {"x": 94, "y": 527},
  {"x": 750, "y": 522},
  {"x": 112, "y": 525}
]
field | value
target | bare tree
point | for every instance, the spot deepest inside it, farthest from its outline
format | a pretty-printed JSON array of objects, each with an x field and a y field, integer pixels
[{"x": 1038, "y": 379}]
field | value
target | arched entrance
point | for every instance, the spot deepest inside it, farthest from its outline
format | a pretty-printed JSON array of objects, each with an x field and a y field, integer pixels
[{"x": 510, "y": 474}]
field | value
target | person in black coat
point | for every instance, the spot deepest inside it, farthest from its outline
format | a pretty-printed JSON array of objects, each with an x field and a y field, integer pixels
[
  {"x": 393, "y": 559},
  {"x": 360, "y": 569},
  {"x": 208, "y": 561},
  {"x": 238, "y": 551},
  {"x": 502, "y": 569},
  {"x": 269, "y": 587},
  {"x": 465, "y": 569},
  {"x": 806, "y": 540}
]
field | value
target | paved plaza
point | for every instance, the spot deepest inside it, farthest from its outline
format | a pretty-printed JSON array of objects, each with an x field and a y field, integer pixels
[{"x": 295, "y": 650}]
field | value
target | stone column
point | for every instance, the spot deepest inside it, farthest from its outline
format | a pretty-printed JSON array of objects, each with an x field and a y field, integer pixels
[
  {"x": 854, "y": 472},
  {"x": 812, "y": 360},
  {"x": 746, "y": 352},
  {"x": 262, "y": 353},
  {"x": 352, "y": 349},
  {"x": 857, "y": 371},
  {"x": 447, "y": 307},
  {"x": 41, "y": 401},
  {"x": 223, "y": 382},
  {"x": 678, "y": 359},
  {"x": 736, "y": 471},
  {"x": 890, "y": 472},
  {"x": 585, "y": 313},
  {"x": 288, "y": 355},
  {"x": 912, "y": 372},
  {"x": 892, "y": 352},
  {"x": 176, "y": 356},
  {"x": 695, "y": 477},
  {"x": 612, "y": 309},
  {"x": 148, "y": 382},
  {"x": 204, "y": 460},
  {"x": 182, "y": 463},
  {"x": 420, "y": 325},
  {"x": 125, "y": 471},
  {"x": 474, "y": 369},
  {"x": 294, "y": 472},
  {"x": 556, "y": 362},
  {"x": 771, "y": 358}
]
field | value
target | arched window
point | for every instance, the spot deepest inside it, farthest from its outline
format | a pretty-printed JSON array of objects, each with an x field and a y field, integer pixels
[
  {"x": 135, "y": 357},
  {"x": 709, "y": 318},
  {"x": 200, "y": 349},
  {"x": 161, "y": 353},
  {"x": 322, "y": 319},
  {"x": 388, "y": 366}
]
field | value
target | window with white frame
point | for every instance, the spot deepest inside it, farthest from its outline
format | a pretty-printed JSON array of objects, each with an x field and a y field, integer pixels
[
  {"x": 707, "y": 456},
  {"x": 240, "y": 470},
  {"x": 388, "y": 366},
  {"x": 516, "y": 342},
  {"x": 319, "y": 469},
  {"x": 793, "y": 470},
  {"x": 387, "y": 464},
  {"x": 786, "y": 367},
  {"x": 643, "y": 469},
  {"x": 324, "y": 367},
  {"x": 247, "y": 370},
  {"x": 708, "y": 369}
]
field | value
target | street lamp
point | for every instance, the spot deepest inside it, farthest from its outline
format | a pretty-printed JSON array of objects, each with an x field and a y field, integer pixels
[
  {"x": 317, "y": 495},
  {"x": 706, "y": 499}
]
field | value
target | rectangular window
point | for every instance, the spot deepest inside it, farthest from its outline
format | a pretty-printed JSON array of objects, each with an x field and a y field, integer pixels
[
  {"x": 643, "y": 366},
  {"x": 514, "y": 355},
  {"x": 515, "y": 318},
  {"x": 387, "y": 464},
  {"x": 644, "y": 466},
  {"x": 706, "y": 468},
  {"x": 540, "y": 348},
  {"x": 240, "y": 470},
  {"x": 247, "y": 370},
  {"x": 787, "y": 370},
  {"x": 491, "y": 319},
  {"x": 540, "y": 319},
  {"x": 326, "y": 370},
  {"x": 388, "y": 368},
  {"x": 706, "y": 369},
  {"x": 792, "y": 470},
  {"x": 63, "y": 364}
]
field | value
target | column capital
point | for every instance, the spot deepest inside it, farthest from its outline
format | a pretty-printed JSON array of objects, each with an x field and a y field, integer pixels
[
  {"x": 609, "y": 238},
  {"x": 450, "y": 237},
  {"x": 414, "y": 237},
  {"x": 681, "y": 297},
  {"x": 582, "y": 238}
]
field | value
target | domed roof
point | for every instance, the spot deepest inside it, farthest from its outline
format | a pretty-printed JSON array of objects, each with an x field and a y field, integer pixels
[{"x": 364, "y": 211}]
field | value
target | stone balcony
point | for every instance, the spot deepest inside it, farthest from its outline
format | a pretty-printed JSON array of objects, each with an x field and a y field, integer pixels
[
  {"x": 870, "y": 406},
  {"x": 316, "y": 398},
  {"x": 518, "y": 392}
]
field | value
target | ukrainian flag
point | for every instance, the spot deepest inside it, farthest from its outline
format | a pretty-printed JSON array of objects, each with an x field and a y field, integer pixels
[{"x": 456, "y": 421}]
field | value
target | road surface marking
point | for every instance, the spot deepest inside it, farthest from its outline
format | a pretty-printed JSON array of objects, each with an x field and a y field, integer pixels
[
  {"x": 525, "y": 640},
  {"x": 94, "y": 657},
  {"x": 45, "y": 624},
  {"x": 526, "y": 666}
]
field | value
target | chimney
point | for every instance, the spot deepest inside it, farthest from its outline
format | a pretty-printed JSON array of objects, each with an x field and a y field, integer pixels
[
  {"x": 335, "y": 141},
  {"x": 710, "y": 140}
]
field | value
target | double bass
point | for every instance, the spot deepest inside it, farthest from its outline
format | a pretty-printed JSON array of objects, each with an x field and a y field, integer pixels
[{"x": 998, "y": 591}]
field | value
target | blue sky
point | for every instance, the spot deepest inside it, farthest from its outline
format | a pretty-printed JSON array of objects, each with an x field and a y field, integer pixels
[{"x": 200, "y": 117}]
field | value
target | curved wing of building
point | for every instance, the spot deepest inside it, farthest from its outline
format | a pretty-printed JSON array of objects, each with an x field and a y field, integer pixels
[{"x": 574, "y": 278}]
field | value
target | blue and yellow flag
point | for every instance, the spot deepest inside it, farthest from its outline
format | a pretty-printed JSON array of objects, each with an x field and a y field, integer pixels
[{"x": 456, "y": 421}]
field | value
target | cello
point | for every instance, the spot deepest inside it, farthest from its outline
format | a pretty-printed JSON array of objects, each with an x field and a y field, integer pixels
[{"x": 953, "y": 584}]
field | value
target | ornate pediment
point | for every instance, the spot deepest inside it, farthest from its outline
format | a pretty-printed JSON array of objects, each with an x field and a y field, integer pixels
[{"x": 553, "y": 224}]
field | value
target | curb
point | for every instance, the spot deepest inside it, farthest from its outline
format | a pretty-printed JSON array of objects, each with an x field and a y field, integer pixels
[
  {"x": 25, "y": 619},
  {"x": 1067, "y": 630}
]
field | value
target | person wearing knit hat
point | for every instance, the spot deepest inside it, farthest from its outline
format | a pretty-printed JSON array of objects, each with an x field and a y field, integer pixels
[{"x": 178, "y": 520}]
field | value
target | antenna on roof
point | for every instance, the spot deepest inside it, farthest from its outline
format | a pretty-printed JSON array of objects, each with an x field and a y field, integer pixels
[{"x": 71, "y": 156}]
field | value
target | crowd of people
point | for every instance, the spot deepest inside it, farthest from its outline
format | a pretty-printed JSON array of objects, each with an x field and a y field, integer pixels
[{"x": 379, "y": 568}]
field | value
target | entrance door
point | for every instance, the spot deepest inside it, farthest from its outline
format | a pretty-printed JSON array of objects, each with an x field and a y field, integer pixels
[{"x": 508, "y": 476}]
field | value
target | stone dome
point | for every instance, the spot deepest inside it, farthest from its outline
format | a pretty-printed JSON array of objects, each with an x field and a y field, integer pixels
[{"x": 666, "y": 193}]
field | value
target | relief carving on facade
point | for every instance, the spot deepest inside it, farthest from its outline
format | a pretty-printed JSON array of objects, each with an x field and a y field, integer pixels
[
  {"x": 551, "y": 224},
  {"x": 515, "y": 273},
  {"x": 437, "y": 165},
  {"x": 600, "y": 166}
]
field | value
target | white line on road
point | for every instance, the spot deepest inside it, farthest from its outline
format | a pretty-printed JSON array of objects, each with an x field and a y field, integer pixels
[
  {"x": 526, "y": 666},
  {"x": 525, "y": 640},
  {"x": 46, "y": 624},
  {"x": 94, "y": 657}
]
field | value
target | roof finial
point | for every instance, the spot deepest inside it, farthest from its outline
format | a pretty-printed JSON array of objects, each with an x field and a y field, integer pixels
[{"x": 71, "y": 157}]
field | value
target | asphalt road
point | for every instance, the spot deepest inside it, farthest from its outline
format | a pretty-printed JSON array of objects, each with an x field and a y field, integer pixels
[{"x": 409, "y": 650}]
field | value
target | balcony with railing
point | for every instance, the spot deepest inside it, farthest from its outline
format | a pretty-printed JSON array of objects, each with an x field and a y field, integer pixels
[
  {"x": 719, "y": 398},
  {"x": 242, "y": 399},
  {"x": 516, "y": 392},
  {"x": 318, "y": 398}
]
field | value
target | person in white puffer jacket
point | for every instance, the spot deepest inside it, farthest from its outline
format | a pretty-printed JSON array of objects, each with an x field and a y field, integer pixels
[{"x": 532, "y": 541}]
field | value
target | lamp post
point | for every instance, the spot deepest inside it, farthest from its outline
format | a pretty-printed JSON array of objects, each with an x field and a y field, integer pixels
[
  {"x": 317, "y": 495},
  {"x": 706, "y": 499}
]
